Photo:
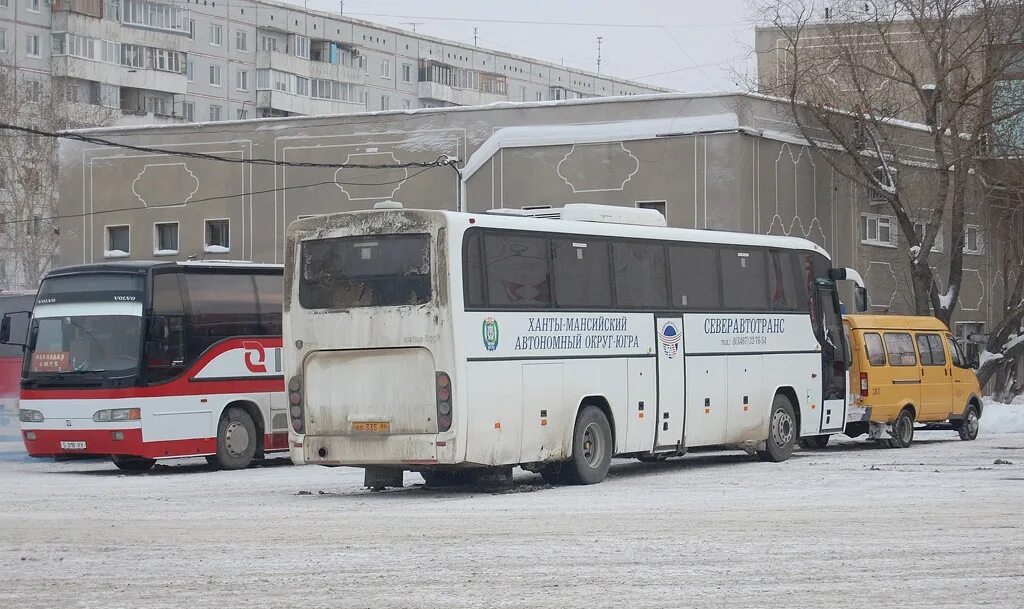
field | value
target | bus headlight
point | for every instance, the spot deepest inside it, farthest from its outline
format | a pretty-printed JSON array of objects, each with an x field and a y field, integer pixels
[
  {"x": 30, "y": 416},
  {"x": 117, "y": 414}
]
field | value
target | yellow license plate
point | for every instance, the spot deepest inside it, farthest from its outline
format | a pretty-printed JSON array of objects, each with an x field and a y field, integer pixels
[{"x": 371, "y": 427}]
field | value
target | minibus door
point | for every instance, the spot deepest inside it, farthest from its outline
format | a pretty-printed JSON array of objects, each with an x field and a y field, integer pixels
[
  {"x": 671, "y": 383},
  {"x": 833, "y": 358}
]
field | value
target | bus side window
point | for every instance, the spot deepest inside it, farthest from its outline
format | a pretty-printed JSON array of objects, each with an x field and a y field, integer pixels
[
  {"x": 270, "y": 290},
  {"x": 695, "y": 277},
  {"x": 223, "y": 305},
  {"x": 640, "y": 281},
  {"x": 516, "y": 270},
  {"x": 473, "y": 269},
  {"x": 581, "y": 272},
  {"x": 743, "y": 279},
  {"x": 782, "y": 282}
]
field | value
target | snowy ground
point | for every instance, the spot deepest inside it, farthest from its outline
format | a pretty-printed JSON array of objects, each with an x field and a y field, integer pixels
[{"x": 936, "y": 525}]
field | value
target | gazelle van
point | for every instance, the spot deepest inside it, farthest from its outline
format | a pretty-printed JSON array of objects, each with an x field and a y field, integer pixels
[{"x": 910, "y": 371}]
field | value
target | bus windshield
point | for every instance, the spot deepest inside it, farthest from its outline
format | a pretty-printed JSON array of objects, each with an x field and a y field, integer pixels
[
  {"x": 90, "y": 323},
  {"x": 377, "y": 271}
]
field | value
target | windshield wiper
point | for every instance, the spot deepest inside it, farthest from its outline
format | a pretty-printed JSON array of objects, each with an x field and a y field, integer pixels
[{"x": 81, "y": 371}]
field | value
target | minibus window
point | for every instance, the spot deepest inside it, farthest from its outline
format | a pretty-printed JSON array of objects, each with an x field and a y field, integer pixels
[
  {"x": 873, "y": 346},
  {"x": 930, "y": 346},
  {"x": 900, "y": 349}
]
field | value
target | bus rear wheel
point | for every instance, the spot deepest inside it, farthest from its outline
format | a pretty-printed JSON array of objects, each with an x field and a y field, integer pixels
[
  {"x": 902, "y": 430},
  {"x": 236, "y": 440},
  {"x": 782, "y": 431},
  {"x": 133, "y": 464},
  {"x": 591, "y": 449}
]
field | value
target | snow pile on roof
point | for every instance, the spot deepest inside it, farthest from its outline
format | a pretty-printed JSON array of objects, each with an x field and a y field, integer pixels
[{"x": 1003, "y": 418}]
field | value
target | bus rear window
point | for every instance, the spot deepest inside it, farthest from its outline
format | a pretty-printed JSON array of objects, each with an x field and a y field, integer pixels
[{"x": 365, "y": 271}]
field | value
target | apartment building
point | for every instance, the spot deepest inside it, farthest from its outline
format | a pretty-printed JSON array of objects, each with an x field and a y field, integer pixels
[{"x": 210, "y": 60}]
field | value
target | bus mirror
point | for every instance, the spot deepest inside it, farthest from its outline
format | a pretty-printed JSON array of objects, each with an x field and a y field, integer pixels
[
  {"x": 5, "y": 330},
  {"x": 860, "y": 296}
]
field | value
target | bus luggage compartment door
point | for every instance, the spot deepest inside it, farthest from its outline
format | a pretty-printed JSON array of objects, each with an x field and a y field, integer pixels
[{"x": 671, "y": 383}]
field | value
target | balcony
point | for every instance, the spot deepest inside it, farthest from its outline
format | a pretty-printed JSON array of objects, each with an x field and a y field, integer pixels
[
  {"x": 309, "y": 69},
  {"x": 112, "y": 73},
  {"x": 89, "y": 8},
  {"x": 304, "y": 105},
  {"x": 138, "y": 119},
  {"x": 459, "y": 97}
]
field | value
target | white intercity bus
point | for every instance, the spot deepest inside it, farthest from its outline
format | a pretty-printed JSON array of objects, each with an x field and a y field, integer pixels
[{"x": 453, "y": 343}]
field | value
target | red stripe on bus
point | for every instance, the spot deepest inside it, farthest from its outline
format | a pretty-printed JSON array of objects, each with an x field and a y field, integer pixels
[{"x": 101, "y": 442}]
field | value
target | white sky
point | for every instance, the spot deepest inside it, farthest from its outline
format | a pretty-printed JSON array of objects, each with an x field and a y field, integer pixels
[{"x": 690, "y": 45}]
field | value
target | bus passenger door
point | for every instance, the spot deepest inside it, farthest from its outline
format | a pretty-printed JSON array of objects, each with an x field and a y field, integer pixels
[
  {"x": 833, "y": 358},
  {"x": 671, "y": 383}
]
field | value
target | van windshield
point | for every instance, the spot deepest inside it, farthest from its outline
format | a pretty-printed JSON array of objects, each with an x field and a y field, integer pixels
[{"x": 365, "y": 271}]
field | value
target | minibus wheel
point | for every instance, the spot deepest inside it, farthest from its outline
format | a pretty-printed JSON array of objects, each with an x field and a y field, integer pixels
[
  {"x": 970, "y": 424},
  {"x": 591, "y": 448},
  {"x": 902, "y": 434},
  {"x": 236, "y": 439},
  {"x": 132, "y": 464},
  {"x": 782, "y": 431}
]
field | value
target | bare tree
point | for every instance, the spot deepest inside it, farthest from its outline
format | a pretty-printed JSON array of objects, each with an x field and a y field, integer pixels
[
  {"x": 858, "y": 79},
  {"x": 28, "y": 168}
]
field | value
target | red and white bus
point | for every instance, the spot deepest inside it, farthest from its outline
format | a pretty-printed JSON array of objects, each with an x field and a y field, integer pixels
[
  {"x": 153, "y": 360},
  {"x": 17, "y": 304}
]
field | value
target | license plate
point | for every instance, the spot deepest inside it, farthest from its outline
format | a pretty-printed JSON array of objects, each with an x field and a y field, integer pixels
[
  {"x": 72, "y": 445},
  {"x": 371, "y": 426}
]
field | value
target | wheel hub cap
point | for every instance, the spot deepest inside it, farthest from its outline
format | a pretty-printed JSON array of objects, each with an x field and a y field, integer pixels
[
  {"x": 236, "y": 439},
  {"x": 782, "y": 428},
  {"x": 593, "y": 446}
]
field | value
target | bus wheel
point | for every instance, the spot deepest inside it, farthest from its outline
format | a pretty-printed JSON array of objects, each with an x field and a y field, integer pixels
[
  {"x": 902, "y": 430},
  {"x": 782, "y": 432},
  {"x": 970, "y": 424},
  {"x": 132, "y": 464},
  {"x": 591, "y": 448},
  {"x": 814, "y": 442},
  {"x": 236, "y": 439}
]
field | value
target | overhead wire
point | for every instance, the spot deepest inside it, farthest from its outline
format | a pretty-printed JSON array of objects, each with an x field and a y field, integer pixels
[
  {"x": 216, "y": 198},
  {"x": 89, "y": 139},
  {"x": 537, "y": 22}
]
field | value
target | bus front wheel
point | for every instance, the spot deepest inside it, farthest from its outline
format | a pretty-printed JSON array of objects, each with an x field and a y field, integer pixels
[
  {"x": 132, "y": 464},
  {"x": 591, "y": 448},
  {"x": 236, "y": 440},
  {"x": 782, "y": 431}
]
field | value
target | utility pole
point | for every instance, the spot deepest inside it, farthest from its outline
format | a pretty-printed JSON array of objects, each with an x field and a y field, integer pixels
[
  {"x": 413, "y": 24},
  {"x": 474, "y": 36},
  {"x": 341, "y": 7},
  {"x": 599, "y": 38}
]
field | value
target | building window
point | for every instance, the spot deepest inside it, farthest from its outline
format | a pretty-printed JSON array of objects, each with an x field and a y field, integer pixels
[
  {"x": 301, "y": 86},
  {"x": 215, "y": 76},
  {"x": 216, "y": 33},
  {"x": 165, "y": 238},
  {"x": 406, "y": 72},
  {"x": 971, "y": 337},
  {"x": 192, "y": 29},
  {"x": 385, "y": 102},
  {"x": 540, "y": 96},
  {"x": 242, "y": 114},
  {"x": 190, "y": 71},
  {"x": 33, "y": 6},
  {"x": 385, "y": 68},
  {"x": 921, "y": 228},
  {"x": 877, "y": 230},
  {"x": 118, "y": 242},
  {"x": 269, "y": 44},
  {"x": 3, "y": 41},
  {"x": 302, "y": 47},
  {"x": 215, "y": 113},
  {"x": 406, "y": 104},
  {"x": 242, "y": 42},
  {"x": 973, "y": 243},
  {"x": 242, "y": 80},
  {"x": 658, "y": 206},
  {"x": 188, "y": 111},
  {"x": 218, "y": 236},
  {"x": 522, "y": 93},
  {"x": 32, "y": 45}
]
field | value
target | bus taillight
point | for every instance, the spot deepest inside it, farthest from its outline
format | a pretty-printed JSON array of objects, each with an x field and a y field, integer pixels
[
  {"x": 863, "y": 384},
  {"x": 444, "y": 402},
  {"x": 295, "y": 403}
]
